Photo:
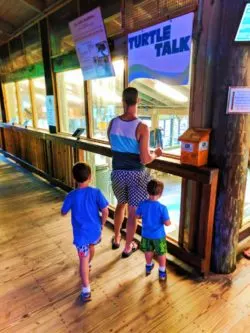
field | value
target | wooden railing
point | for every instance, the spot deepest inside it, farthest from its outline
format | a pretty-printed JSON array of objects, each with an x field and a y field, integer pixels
[{"x": 52, "y": 156}]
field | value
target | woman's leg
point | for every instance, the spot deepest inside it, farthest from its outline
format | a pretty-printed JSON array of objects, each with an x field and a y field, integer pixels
[
  {"x": 131, "y": 227},
  {"x": 119, "y": 217}
]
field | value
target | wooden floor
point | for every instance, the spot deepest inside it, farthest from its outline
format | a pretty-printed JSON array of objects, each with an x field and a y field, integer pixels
[{"x": 39, "y": 282}]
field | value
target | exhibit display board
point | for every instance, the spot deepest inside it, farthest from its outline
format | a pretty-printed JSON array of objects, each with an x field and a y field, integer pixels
[
  {"x": 162, "y": 52},
  {"x": 91, "y": 44}
]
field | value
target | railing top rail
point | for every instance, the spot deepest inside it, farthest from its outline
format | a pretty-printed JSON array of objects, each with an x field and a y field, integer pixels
[{"x": 201, "y": 174}]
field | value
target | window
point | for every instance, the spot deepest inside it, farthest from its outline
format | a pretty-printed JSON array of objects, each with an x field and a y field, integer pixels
[
  {"x": 101, "y": 167},
  {"x": 167, "y": 108},
  {"x": 39, "y": 91},
  {"x": 171, "y": 197},
  {"x": 70, "y": 92},
  {"x": 11, "y": 102},
  {"x": 25, "y": 102},
  {"x": 106, "y": 100}
]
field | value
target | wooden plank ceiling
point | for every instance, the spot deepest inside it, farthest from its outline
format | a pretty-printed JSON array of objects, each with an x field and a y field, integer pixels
[{"x": 16, "y": 14}]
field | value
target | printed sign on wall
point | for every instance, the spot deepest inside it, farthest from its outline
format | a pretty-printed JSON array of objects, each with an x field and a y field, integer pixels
[
  {"x": 92, "y": 47},
  {"x": 50, "y": 110},
  {"x": 162, "y": 51},
  {"x": 238, "y": 100}
]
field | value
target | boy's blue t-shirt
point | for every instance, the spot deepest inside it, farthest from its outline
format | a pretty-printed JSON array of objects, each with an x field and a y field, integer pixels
[
  {"x": 153, "y": 215},
  {"x": 85, "y": 204}
]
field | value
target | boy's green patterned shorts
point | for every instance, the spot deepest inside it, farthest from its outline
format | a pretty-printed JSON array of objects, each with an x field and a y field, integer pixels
[{"x": 159, "y": 246}]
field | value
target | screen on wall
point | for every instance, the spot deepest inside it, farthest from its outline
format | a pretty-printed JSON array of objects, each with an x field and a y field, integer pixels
[
  {"x": 91, "y": 44},
  {"x": 243, "y": 33},
  {"x": 162, "y": 51}
]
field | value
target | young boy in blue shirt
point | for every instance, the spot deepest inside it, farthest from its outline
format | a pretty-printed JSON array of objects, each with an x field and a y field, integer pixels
[
  {"x": 85, "y": 203},
  {"x": 154, "y": 216}
]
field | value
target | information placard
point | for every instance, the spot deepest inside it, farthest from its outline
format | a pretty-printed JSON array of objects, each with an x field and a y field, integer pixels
[
  {"x": 92, "y": 47},
  {"x": 243, "y": 33},
  {"x": 50, "y": 107},
  {"x": 238, "y": 100}
]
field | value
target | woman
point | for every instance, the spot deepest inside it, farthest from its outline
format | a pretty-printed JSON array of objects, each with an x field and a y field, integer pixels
[{"x": 129, "y": 140}]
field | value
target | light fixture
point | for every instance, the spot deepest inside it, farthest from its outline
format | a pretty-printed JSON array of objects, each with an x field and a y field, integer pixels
[{"x": 170, "y": 92}]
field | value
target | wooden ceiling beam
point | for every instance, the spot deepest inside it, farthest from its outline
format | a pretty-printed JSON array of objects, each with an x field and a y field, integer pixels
[{"x": 36, "y": 5}]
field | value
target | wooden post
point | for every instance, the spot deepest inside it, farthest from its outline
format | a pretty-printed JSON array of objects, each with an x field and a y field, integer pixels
[
  {"x": 205, "y": 50},
  {"x": 229, "y": 149},
  {"x": 2, "y": 106},
  {"x": 48, "y": 70}
]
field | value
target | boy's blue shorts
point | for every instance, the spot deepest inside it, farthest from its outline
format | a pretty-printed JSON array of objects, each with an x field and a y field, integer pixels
[{"x": 83, "y": 251}]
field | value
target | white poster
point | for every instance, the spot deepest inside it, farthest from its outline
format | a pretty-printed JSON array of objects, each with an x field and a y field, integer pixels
[
  {"x": 50, "y": 107},
  {"x": 92, "y": 47},
  {"x": 162, "y": 51},
  {"x": 238, "y": 100}
]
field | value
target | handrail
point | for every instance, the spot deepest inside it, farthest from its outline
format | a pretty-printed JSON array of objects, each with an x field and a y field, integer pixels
[
  {"x": 52, "y": 156},
  {"x": 164, "y": 164}
]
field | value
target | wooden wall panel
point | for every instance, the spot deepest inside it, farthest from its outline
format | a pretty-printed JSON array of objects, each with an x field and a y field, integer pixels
[{"x": 62, "y": 158}]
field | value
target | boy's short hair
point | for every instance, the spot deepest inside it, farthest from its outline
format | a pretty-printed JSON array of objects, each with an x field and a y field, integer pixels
[
  {"x": 81, "y": 172},
  {"x": 155, "y": 187},
  {"x": 130, "y": 96}
]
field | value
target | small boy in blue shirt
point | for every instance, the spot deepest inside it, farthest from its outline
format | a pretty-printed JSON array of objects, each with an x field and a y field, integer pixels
[
  {"x": 85, "y": 203},
  {"x": 154, "y": 216}
]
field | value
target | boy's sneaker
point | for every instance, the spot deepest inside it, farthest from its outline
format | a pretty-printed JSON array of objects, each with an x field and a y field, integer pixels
[
  {"x": 85, "y": 297},
  {"x": 162, "y": 275},
  {"x": 149, "y": 268}
]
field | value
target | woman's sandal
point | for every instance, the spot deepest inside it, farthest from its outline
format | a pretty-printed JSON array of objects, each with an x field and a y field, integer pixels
[
  {"x": 115, "y": 245},
  {"x": 133, "y": 249}
]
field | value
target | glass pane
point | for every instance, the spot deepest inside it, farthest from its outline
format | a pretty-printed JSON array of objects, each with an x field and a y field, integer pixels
[
  {"x": 166, "y": 109},
  {"x": 106, "y": 100},
  {"x": 101, "y": 167},
  {"x": 70, "y": 91},
  {"x": 171, "y": 197},
  {"x": 11, "y": 102},
  {"x": 25, "y": 101},
  {"x": 40, "y": 104},
  {"x": 246, "y": 217}
]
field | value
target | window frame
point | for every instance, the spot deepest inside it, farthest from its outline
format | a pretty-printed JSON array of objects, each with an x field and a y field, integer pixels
[
  {"x": 19, "y": 106},
  {"x": 59, "y": 121},
  {"x": 89, "y": 103},
  {"x": 33, "y": 103},
  {"x": 6, "y": 102}
]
